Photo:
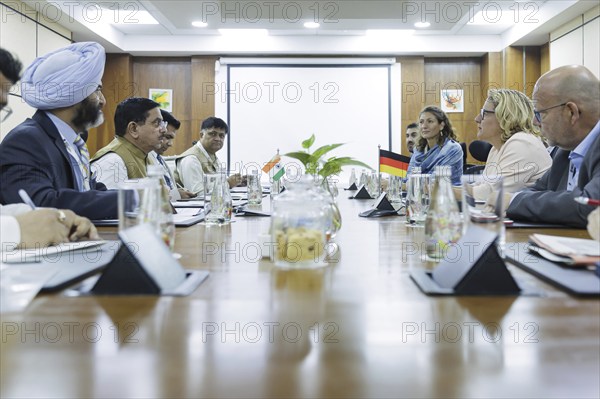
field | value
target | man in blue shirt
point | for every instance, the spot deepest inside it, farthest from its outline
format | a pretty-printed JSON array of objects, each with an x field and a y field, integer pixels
[
  {"x": 19, "y": 225},
  {"x": 46, "y": 155},
  {"x": 567, "y": 109}
]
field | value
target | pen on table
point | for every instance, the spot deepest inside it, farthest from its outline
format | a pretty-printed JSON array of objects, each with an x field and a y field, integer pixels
[
  {"x": 587, "y": 201},
  {"x": 26, "y": 199}
]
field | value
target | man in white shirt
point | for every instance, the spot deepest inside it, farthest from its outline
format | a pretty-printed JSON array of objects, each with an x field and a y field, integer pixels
[
  {"x": 19, "y": 225},
  {"x": 139, "y": 129},
  {"x": 201, "y": 158}
]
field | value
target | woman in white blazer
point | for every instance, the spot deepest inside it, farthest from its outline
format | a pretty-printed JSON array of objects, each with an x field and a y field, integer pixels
[{"x": 518, "y": 153}]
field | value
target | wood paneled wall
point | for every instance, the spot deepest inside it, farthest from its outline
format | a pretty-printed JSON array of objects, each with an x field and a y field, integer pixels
[
  {"x": 203, "y": 87},
  {"x": 533, "y": 68},
  {"x": 544, "y": 58},
  {"x": 412, "y": 70},
  {"x": 456, "y": 73},
  {"x": 193, "y": 78},
  {"x": 522, "y": 66},
  {"x": 117, "y": 85},
  {"x": 422, "y": 82},
  {"x": 169, "y": 73},
  {"x": 491, "y": 73}
]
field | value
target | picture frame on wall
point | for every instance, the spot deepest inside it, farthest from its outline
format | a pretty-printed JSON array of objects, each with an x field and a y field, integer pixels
[
  {"x": 452, "y": 100},
  {"x": 162, "y": 96}
]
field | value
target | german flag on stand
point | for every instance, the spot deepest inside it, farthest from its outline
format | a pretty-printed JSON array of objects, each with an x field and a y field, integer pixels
[{"x": 392, "y": 163}]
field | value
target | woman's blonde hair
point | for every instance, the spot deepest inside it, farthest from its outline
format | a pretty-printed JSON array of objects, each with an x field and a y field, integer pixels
[{"x": 514, "y": 112}]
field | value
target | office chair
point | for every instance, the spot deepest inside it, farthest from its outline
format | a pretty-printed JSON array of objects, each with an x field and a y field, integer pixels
[
  {"x": 480, "y": 150},
  {"x": 464, "y": 150}
]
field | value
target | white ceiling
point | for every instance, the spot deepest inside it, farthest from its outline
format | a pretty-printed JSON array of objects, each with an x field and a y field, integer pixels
[{"x": 343, "y": 24}]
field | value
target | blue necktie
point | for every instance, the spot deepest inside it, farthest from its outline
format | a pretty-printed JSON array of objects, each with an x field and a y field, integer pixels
[
  {"x": 167, "y": 177},
  {"x": 571, "y": 183}
]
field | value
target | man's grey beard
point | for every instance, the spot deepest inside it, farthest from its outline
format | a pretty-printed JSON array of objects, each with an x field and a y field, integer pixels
[{"x": 96, "y": 123}]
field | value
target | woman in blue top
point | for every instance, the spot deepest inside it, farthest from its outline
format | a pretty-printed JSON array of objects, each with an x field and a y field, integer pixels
[{"x": 437, "y": 145}]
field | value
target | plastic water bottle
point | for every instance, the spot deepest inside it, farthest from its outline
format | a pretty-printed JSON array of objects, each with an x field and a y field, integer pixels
[
  {"x": 443, "y": 225},
  {"x": 227, "y": 200},
  {"x": 416, "y": 170},
  {"x": 163, "y": 212},
  {"x": 363, "y": 178},
  {"x": 352, "y": 178},
  {"x": 254, "y": 189}
]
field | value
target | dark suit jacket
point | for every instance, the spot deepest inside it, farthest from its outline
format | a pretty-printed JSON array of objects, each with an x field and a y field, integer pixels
[
  {"x": 33, "y": 157},
  {"x": 549, "y": 202}
]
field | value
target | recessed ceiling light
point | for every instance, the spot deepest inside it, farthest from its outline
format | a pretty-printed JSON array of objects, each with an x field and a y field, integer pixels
[
  {"x": 311, "y": 25},
  {"x": 199, "y": 24},
  {"x": 422, "y": 24}
]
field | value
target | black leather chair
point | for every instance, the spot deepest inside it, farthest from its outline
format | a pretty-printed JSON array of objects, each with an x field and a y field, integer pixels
[
  {"x": 480, "y": 151},
  {"x": 474, "y": 170},
  {"x": 464, "y": 150}
]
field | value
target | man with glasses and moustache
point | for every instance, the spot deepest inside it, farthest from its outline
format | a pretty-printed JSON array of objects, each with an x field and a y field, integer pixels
[
  {"x": 201, "y": 158},
  {"x": 173, "y": 125},
  {"x": 139, "y": 129},
  {"x": 46, "y": 154},
  {"x": 567, "y": 109}
]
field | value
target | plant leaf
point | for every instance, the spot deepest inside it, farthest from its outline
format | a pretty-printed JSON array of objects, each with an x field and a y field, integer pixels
[
  {"x": 334, "y": 165},
  {"x": 302, "y": 156},
  {"x": 319, "y": 152},
  {"x": 330, "y": 168},
  {"x": 346, "y": 161},
  {"x": 308, "y": 142}
]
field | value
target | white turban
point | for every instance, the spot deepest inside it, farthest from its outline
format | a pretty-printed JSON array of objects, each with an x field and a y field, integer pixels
[{"x": 64, "y": 77}]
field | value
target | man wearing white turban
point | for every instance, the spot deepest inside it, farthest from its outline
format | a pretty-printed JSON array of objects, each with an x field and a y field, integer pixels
[{"x": 46, "y": 155}]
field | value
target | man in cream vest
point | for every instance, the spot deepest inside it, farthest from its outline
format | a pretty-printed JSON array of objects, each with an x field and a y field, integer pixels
[
  {"x": 201, "y": 158},
  {"x": 139, "y": 129}
]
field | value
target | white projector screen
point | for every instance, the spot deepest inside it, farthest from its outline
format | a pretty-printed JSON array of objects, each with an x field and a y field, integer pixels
[{"x": 270, "y": 107}]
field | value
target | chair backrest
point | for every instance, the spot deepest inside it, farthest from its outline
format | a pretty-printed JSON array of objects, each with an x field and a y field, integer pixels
[
  {"x": 464, "y": 150},
  {"x": 474, "y": 170},
  {"x": 480, "y": 150}
]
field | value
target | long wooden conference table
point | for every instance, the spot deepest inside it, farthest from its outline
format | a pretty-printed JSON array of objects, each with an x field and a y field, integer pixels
[{"x": 357, "y": 328}]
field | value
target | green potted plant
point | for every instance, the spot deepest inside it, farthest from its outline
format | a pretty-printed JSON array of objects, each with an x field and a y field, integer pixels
[{"x": 317, "y": 166}]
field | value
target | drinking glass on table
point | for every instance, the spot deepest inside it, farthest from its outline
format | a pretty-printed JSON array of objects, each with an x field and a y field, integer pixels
[
  {"x": 483, "y": 204},
  {"x": 417, "y": 197},
  {"x": 254, "y": 189},
  {"x": 215, "y": 207},
  {"x": 394, "y": 190}
]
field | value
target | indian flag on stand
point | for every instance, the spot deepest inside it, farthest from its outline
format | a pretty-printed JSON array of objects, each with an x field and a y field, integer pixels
[
  {"x": 271, "y": 164},
  {"x": 279, "y": 172},
  {"x": 392, "y": 163}
]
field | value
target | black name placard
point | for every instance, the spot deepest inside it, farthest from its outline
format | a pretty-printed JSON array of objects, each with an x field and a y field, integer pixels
[
  {"x": 144, "y": 265},
  {"x": 478, "y": 269}
]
